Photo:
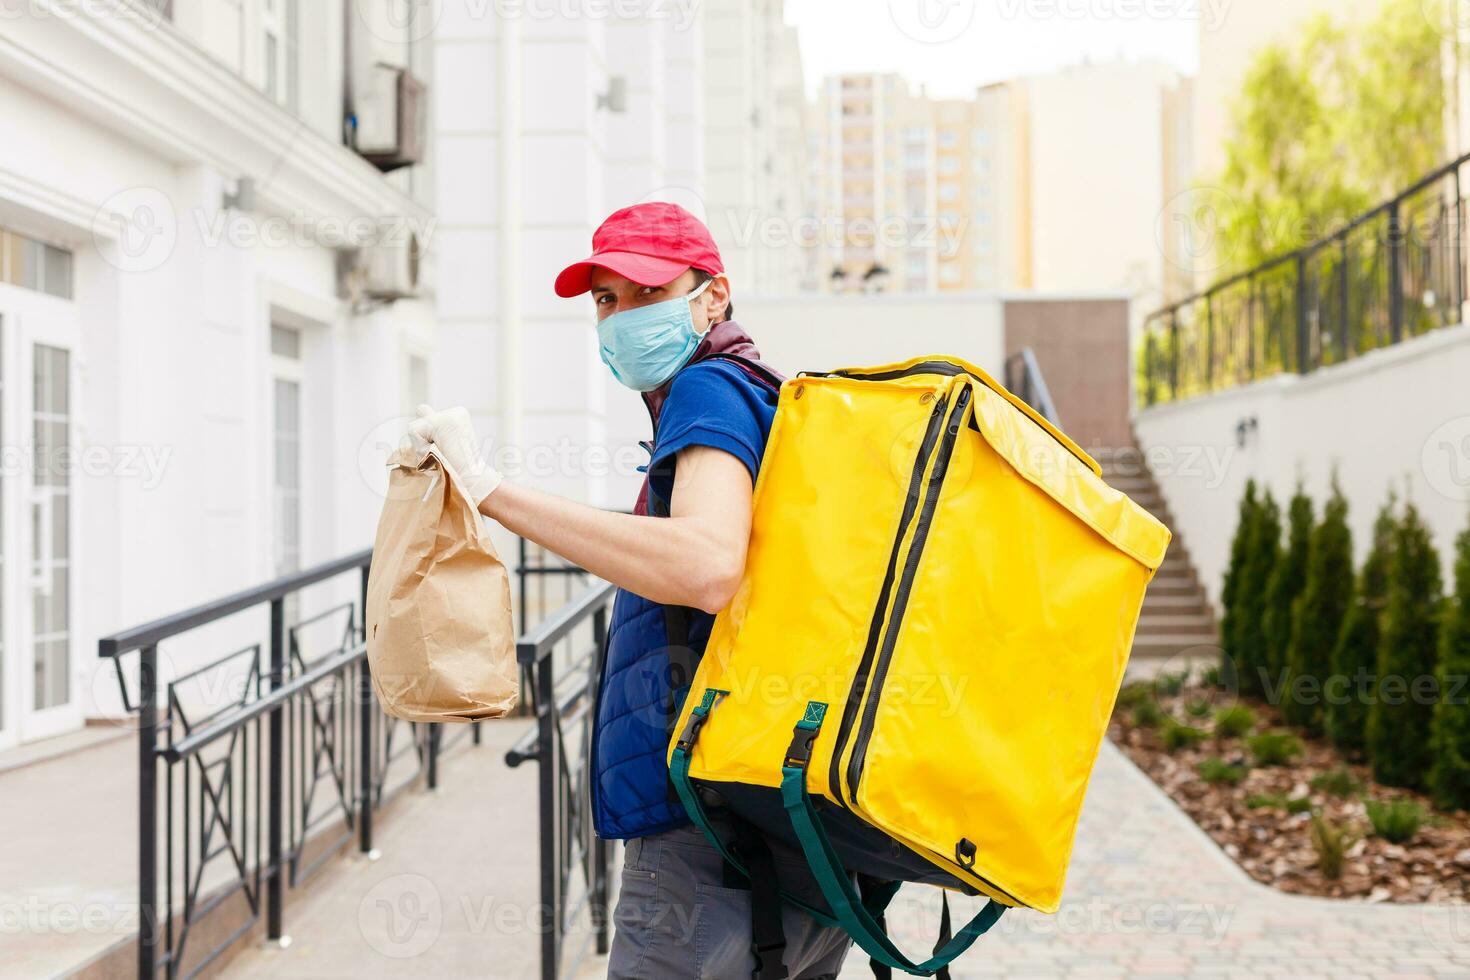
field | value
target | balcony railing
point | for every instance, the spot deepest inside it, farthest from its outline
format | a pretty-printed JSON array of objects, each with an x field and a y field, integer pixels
[{"x": 1390, "y": 274}]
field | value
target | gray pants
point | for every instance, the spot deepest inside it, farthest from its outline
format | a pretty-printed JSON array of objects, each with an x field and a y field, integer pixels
[{"x": 676, "y": 920}]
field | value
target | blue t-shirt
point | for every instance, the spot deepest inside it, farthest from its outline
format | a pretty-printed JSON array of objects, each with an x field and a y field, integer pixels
[{"x": 712, "y": 403}]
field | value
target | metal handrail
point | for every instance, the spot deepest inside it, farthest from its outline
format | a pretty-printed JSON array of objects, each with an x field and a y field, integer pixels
[
  {"x": 1026, "y": 382},
  {"x": 539, "y": 643},
  {"x": 161, "y": 629},
  {"x": 1306, "y": 308}
]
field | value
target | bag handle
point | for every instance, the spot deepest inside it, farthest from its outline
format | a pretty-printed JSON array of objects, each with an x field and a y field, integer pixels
[{"x": 836, "y": 885}]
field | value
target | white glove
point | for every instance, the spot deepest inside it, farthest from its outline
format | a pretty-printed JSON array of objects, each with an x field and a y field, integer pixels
[{"x": 452, "y": 433}]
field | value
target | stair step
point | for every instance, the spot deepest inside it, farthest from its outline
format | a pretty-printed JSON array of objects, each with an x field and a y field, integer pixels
[
  {"x": 1190, "y": 601},
  {"x": 1168, "y": 644},
  {"x": 1152, "y": 624},
  {"x": 1173, "y": 585}
]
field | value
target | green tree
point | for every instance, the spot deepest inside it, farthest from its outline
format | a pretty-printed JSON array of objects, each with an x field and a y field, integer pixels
[
  {"x": 1288, "y": 577},
  {"x": 1346, "y": 115},
  {"x": 1263, "y": 552},
  {"x": 1402, "y": 712},
  {"x": 1234, "y": 572},
  {"x": 1350, "y": 689},
  {"x": 1449, "y": 779},
  {"x": 1317, "y": 615}
]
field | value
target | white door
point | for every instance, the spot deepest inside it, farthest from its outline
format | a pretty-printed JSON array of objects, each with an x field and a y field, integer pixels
[{"x": 39, "y": 658}]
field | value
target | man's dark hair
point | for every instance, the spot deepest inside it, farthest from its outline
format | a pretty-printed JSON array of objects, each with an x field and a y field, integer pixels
[{"x": 700, "y": 278}]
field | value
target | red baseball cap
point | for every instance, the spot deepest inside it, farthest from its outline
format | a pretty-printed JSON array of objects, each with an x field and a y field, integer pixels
[{"x": 651, "y": 244}]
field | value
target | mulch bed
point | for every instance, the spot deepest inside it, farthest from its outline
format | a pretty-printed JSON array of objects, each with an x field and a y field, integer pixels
[{"x": 1274, "y": 846}]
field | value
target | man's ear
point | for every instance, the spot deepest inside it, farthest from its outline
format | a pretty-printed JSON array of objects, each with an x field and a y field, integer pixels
[{"x": 716, "y": 299}]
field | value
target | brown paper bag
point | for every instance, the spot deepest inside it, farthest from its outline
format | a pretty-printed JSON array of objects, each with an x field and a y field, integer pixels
[{"x": 440, "y": 642}]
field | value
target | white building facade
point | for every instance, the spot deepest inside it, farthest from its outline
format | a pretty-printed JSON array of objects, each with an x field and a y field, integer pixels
[{"x": 208, "y": 302}]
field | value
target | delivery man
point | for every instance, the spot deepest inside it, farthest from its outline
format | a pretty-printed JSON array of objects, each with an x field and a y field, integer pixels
[{"x": 664, "y": 328}]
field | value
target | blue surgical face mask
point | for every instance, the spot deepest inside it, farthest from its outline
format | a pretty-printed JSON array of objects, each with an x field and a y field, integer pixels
[{"x": 647, "y": 345}]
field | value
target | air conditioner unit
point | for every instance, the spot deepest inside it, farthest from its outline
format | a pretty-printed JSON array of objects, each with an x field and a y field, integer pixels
[
  {"x": 391, "y": 271},
  {"x": 390, "y": 118}
]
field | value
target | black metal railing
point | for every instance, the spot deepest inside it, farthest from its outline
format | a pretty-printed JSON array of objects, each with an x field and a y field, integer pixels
[
  {"x": 1025, "y": 381},
  {"x": 1392, "y": 273},
  {"x": 561, "y": 660},
  {"x": 258, "y": 765}
]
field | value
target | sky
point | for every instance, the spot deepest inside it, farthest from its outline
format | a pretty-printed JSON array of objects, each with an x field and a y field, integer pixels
[{"x": 954, "y": 46}]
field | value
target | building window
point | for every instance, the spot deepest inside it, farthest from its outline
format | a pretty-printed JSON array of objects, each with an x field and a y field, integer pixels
[
  {"x": 32, "y": 264},
  {"x": 51, "y": 538},
  {"x": 286, "y": 433},
  {"x": 281, "y": 45},
  {"x": 417, "y": 382},
  {"x": 948, "y": 140}
]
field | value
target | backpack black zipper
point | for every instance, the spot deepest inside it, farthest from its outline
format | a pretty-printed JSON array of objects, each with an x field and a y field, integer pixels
[
  {"x": 860, "y": 679},
  {"x": 901, "y": 597}
]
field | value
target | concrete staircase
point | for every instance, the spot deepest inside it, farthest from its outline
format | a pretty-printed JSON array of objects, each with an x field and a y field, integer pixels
[{"x": 1176, "y": 617}]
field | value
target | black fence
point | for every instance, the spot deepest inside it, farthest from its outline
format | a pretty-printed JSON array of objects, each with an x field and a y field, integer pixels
[
  {"x": 561, "y": 660},
  {"x": 1395, "y": 272},
  {"x": 245, "y": 791}
]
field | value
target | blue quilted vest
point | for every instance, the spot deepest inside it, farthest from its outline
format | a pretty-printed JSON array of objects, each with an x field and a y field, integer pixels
[{"x": 631, "y": 793}]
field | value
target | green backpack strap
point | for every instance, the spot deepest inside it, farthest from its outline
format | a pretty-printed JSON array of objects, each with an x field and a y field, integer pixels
[
  {"x": 679, "y": 775},
  {"x": 836, "y": 885}
]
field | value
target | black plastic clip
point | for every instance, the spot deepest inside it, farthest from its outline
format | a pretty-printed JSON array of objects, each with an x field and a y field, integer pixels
[
  {"x": 799, "y": 752},
  {"x": 768, "y": 962},
  {"x": 964, "y": 852}
]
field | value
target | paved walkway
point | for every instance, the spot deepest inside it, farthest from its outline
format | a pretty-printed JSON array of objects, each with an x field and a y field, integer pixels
[{"x": 1150, "y": 895}]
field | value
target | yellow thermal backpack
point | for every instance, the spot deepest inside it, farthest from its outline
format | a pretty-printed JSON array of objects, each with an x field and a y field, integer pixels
[{"x": 915, "y": 674}]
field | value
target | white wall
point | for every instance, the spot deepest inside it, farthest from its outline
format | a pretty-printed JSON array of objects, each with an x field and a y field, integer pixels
[
  {"x": 1107, "y": 122},
  {"x": 102, "y": 119},
  {"x": 808, "y": 333},
  {"x": 1395, "y": 417}
]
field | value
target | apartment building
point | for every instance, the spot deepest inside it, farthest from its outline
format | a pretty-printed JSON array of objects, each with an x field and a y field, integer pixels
[
  {"x": 755, "y": 159},
  {"x": 981, "y": 193}
]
